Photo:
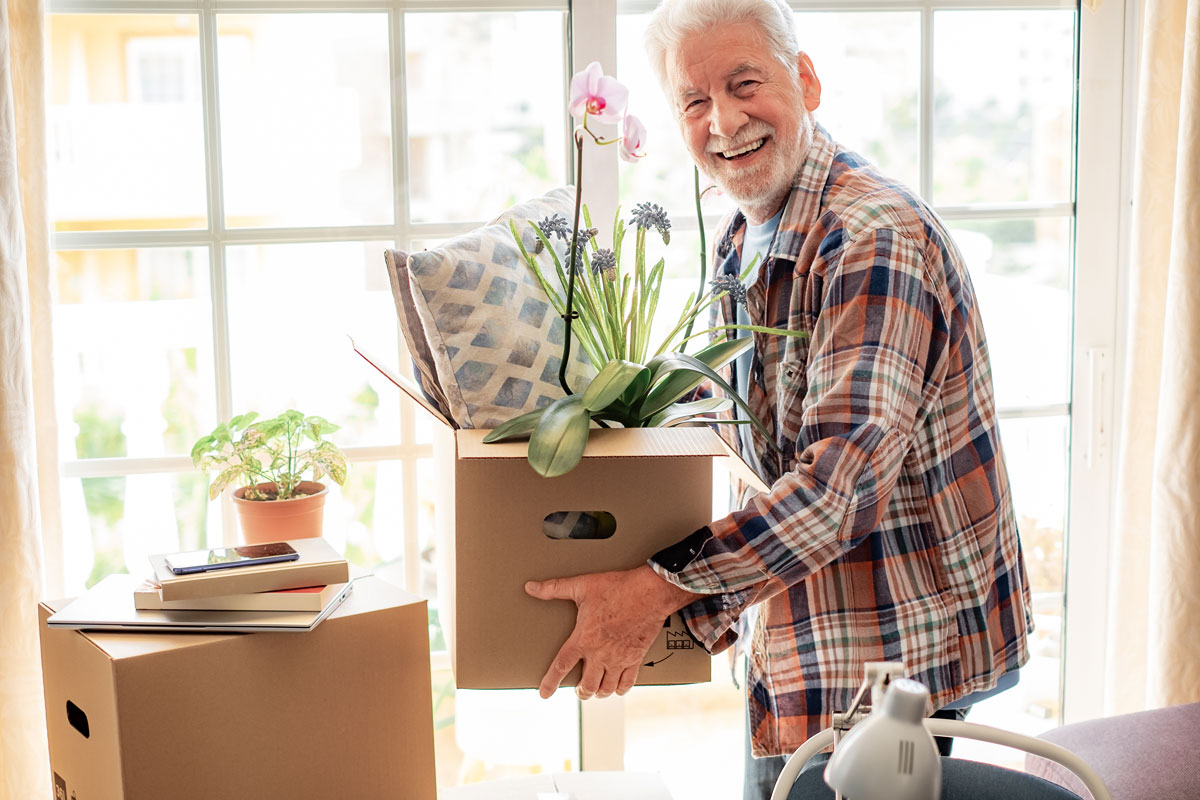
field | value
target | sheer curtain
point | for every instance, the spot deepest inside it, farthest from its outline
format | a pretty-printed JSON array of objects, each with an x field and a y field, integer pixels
[
  {"x": 28, "y": 463},
  {"x": 1153, "y": 638}
]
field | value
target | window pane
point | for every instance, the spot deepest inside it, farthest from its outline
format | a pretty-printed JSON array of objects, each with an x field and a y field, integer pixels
[
  {"x": 1003, "y": 106},
  {"x": 128, "y": 392},
  {"x": 115, "y": 524},
  {"x": 876, "y": 118},
  {"x": 486, "y": 115},
  {"x": 1020, "y": 269},
  {"x": 305, "y": 119},
  {"x": 291, "y": 308},
  {"x": 126, "y": 143}
]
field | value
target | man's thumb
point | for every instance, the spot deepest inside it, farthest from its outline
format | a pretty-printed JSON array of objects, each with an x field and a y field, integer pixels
[{"x": 552, "y": 589}]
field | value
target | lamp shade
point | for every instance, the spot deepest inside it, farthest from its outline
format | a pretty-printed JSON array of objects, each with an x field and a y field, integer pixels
[{"x": 889, "y": 755}]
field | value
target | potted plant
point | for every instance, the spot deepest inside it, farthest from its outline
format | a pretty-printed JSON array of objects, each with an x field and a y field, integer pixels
[
  {"x": 613, "y": 303},
  {"x": 267, "y": 461}
]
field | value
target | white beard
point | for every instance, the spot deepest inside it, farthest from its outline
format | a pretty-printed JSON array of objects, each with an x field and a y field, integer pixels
[{"x": 761, "y": 192}]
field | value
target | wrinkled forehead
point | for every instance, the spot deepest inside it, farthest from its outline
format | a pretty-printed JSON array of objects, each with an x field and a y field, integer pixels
[{"x": 716, "y": 55}]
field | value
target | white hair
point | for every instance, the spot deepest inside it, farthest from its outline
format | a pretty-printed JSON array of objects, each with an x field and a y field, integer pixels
[{"x": 675, "y": 20}]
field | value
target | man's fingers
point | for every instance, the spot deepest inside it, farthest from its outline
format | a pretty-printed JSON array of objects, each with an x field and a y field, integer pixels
[
  {"x": 628, "y": 679},
  {"x": 609, "y": 683},
  {"x": 589, "y": 683},
  {"x": 568, "y": 656}
]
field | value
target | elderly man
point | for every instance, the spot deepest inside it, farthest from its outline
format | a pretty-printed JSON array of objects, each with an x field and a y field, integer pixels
[{"x": 888, "y": 532}]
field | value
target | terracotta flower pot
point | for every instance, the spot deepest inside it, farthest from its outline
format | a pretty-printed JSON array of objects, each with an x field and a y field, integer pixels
[{"x": 301, "y": 517}]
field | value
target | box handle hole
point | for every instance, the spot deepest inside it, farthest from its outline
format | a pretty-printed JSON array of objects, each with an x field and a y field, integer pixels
[
  {"x": 78, "y": 719},
  {"x": 579, "y": 525}
]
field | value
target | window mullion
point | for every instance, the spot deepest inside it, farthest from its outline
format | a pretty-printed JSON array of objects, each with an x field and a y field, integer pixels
[
  {"x": 211, "y": 110},
  {"x": 925, "y": 129}
]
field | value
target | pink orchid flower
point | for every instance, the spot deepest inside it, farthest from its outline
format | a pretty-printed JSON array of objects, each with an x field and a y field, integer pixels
[
  {"x": 633, "y": 139},
  {"x": 597, "y": 95}
]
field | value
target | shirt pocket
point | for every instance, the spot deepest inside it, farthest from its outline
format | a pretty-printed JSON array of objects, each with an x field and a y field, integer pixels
[{"x": 789, "y": 410}]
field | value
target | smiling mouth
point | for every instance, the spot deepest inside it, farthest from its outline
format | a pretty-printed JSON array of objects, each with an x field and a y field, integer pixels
[{"x": 742, "y": 152}]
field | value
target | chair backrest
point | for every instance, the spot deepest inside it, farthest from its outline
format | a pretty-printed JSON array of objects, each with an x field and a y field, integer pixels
[{"x": 961, "y": 780}]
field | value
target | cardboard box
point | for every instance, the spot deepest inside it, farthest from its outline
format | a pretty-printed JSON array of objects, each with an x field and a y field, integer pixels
[
  {"x": 319, "y": 565},
  {"x": 657, "y": 483},
  {"x": 342, "y": 711}
]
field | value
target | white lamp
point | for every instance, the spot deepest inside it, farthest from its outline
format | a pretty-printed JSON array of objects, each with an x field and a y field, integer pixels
[{"x": 891, "y": 753}]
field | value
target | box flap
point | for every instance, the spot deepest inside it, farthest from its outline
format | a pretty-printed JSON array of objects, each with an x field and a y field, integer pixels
[
  {"x": 609, "y": 443},
  {"x": 738, "y": 468},
  {"x": 406, "y": 385}
]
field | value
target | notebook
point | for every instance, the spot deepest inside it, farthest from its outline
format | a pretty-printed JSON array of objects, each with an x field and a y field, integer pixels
[{"x": 108, "y": 606}]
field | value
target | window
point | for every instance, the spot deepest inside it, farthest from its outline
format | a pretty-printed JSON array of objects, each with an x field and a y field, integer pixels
[
  {"x": 226, "y": 174},
  {"x": 225, "y": 181}
]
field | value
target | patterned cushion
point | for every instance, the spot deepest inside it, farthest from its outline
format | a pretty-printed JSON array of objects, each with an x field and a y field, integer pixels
[{"x": 485, "y": 338}]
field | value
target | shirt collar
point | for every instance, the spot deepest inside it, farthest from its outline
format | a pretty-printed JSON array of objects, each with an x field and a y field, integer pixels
[{"x": 803, "y": 207}]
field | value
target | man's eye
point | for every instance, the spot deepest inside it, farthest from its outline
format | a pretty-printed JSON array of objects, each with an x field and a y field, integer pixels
[{"x": 747, "y": 84}]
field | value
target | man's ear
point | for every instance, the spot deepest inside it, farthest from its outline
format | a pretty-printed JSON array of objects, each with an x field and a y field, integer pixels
[{"x": 809, "y": 81}]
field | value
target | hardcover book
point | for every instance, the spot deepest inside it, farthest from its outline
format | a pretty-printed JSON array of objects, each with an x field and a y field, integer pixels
[{"x": 148, "y": 597}]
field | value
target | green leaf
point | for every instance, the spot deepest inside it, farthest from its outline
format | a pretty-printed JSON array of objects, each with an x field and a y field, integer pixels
[
  {"x": 516, "y": 427},
  {"x": 678, "y": 412},
  {"x": 610, "y": 383},
  {"x": 200, "y": 447},
  {"x": 637, "y": 389},
  {"x": 678, "y": 383},
  {"x": 682, "y": 363},
  {"x": 557, "y": 443}
]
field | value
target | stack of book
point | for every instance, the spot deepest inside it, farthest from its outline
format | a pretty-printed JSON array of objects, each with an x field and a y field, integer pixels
[{"x": 291, "y": 595}]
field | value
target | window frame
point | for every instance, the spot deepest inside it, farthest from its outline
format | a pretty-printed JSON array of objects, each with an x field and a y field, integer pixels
[{"x": 1103, "y": 133}]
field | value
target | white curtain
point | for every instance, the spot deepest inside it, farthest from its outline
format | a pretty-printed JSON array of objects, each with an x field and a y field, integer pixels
[
  {"x": 1154, "y": 619},
  {"x": 28, "y": 463}
]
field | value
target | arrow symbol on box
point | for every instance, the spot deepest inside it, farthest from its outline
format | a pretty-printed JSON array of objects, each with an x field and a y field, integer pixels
[{"x": 653, "y": 663}]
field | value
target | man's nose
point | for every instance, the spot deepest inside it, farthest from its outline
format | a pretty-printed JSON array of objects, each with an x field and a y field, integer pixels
[{"x": 726, "y": 118}]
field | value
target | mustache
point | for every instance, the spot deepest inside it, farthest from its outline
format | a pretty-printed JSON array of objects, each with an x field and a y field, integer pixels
[{"x": 752, "y": 132}]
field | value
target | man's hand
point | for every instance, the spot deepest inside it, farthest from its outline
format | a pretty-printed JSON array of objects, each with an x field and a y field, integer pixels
[{"x": 620, "y": 615}]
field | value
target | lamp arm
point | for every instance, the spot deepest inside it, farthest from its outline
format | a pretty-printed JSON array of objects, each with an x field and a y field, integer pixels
[
  {"x": 1019, "y": 741},
  {"x": 798, "y": 759}
]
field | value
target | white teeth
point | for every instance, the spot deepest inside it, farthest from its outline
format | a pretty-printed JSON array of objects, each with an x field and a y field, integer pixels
[{"x": 747, "y": 149}]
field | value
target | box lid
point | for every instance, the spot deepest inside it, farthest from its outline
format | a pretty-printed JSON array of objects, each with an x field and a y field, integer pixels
[{"x": 609, "y": 443}]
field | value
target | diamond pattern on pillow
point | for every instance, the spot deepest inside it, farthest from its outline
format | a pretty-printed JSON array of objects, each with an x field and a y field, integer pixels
[{"x": 479, "y": 325}]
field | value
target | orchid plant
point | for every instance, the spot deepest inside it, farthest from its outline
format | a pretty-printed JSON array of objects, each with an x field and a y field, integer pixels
[{"x": 615, "y": 303}]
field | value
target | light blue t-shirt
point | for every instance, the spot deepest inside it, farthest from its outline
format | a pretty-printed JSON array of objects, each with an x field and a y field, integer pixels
[{"x": 757, "y": 242}]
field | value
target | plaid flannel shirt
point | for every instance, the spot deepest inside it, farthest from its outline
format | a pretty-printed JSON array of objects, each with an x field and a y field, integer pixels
[{"x": 888, "y": 533}]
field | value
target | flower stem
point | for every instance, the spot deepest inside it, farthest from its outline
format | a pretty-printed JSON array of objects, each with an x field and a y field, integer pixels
[
  {"x": 562, "y": 367},
  {"x": 703, "y": 248}
]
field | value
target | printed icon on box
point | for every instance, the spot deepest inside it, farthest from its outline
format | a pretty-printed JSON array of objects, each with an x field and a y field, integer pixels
[
  {"x": 60, "y": 788},
  {"x": 679, "y": 641}
]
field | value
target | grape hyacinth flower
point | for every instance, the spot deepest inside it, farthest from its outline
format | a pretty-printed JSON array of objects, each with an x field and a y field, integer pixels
[
  {"x": 730, "y": 284},
  {"x": 604, "y": 261},
  {"x": 652, "y": 215},
  {"x": 554, "y": 225}
]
